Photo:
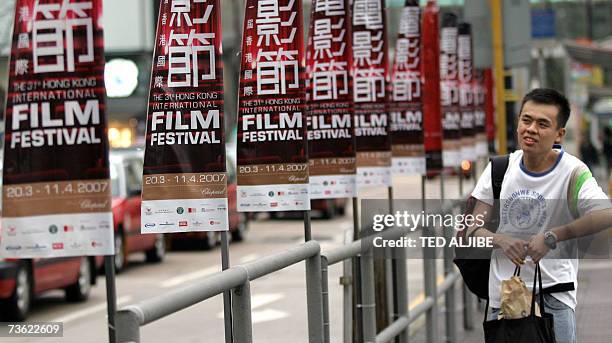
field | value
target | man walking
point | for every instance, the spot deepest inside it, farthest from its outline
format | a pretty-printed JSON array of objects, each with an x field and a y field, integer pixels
[{"x": 537, "y": 213}]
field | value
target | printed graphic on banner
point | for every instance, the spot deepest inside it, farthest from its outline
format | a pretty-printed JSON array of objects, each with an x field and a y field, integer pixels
[
  {"x": 432, "y": 121},
  {"x": 56, "y": 192},
  {"x": 466, "y": 92},
  {"x": 405, "y": 107},
  {"x": 449, "y": 92},
  {"x": 185, "y": 148},
  {"x": 480, "y": 114},
  {"x": 370, "y": 65},
  {"x": 272, "y": 156},
  {"x": 331, "y": 138}
]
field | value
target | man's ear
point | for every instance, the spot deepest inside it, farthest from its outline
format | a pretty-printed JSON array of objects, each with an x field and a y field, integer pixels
[{"x": 560, "y": 135}]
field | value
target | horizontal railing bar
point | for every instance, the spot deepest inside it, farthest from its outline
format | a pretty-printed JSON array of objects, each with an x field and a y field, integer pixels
[
  {"x": 343, "y": 253},
  {"x": 420, "y": 309},
  {"x": 163, "y": 305},
  {"x": 448, "y": 282},
  {"x": 270, "y": 264},
  {"x": 393, "y": 330}
]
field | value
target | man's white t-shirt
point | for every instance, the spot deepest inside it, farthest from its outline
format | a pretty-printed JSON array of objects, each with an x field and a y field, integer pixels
[{"x": 537, "y": 201}]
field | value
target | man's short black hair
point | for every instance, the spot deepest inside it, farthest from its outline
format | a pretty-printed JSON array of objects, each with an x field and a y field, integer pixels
[{"x": 548, "y": 96}]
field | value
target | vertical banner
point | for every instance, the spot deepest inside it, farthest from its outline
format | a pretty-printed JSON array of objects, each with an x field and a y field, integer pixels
[
  {"x": 56, "y": 189},
  {"x": 370, "y": 62},
  {"x": 449, "y": 89},
  {"x": 405, "y": 107},
  {"x": 432, "y": 116},
  {"x": 185, "y": 181},
  {"x": 272, "y": 142},
  {"x": 480, "y": 114},
  {"x": 466, "y": 92},
  {"x": 489, "y": 107},
  {"x": 331, "y": 134}
]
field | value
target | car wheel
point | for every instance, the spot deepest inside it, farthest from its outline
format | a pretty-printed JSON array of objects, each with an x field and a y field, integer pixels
[
  {"x": 330, "y": 210},
  {"x": 119, "y": 252},
  {"x": 239, "y": 234},
  {"x": 18, "y": 305},
  {"x": 157, "y": 253},
  {"x": 79, "y": 291},
  {"x": 210, "y": 240}
]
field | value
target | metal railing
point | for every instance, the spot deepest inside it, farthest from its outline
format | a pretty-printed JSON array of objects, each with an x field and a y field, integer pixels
[{"x": 237, "y": 279}]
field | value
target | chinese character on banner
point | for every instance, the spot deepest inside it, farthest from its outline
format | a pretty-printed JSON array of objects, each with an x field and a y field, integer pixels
[
  {"x": 53, "y": 35},
  {"x": 271, "y": 153},
  {"x": 450, "y": 92},
  {"x": 184, "y": 141}
]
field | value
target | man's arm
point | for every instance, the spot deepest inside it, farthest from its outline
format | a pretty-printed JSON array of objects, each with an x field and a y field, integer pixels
[
  {"x": 513, "y": 248},
  {"x": 589, "y": 224}
]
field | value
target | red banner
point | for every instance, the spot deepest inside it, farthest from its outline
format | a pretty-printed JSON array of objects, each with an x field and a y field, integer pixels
[
  {"x": 370, "y": 62},
  {"x": 432, "y": 117},
  {"x": 272, "y": 156},
  {"x": 185, "y": 181},
  {"x": 489, "y": 105},
  {"x": 405, "y": 107},
  {"x": 331, "y": 134},
  {"x": 466, "y": 92},
  {"x": 449, "y": 84},
  {"x": 56, "y": 190},
  {"x": 482, "y": 148}
]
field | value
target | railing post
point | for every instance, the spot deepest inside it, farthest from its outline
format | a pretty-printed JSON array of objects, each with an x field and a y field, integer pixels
[
  {"x": 402, "y": 291},
  {"x": 325, "y": 293},
  {"x": 241, "y": 308},
  {"x": 368, "y": 309},
  {"x": 449, "y": 296},
  {"x": 468, "y": 308},
  {"x": 314, "y": 299},
  {"x": 127, "y": 326},
  {"x": 347, "y": 285}
]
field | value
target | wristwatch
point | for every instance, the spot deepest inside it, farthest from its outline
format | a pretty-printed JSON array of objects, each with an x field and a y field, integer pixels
[{"x": 550, "y": 239}]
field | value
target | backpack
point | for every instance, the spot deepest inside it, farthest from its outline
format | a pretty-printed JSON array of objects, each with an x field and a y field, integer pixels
[{"x": 474, "y": 263}]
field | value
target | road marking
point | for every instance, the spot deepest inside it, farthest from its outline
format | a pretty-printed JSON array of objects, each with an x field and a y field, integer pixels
[
  {"x": 177, "y": 280},
  {"x": 267, "y": 315},
  {"x": 249, "y": 258},
  {"x": 90, "y": 310}
]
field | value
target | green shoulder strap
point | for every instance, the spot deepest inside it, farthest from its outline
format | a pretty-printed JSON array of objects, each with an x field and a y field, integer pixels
[{"x": 579, "y": 176}]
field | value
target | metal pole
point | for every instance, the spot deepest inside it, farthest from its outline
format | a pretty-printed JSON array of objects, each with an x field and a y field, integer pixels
[
  {"x": 325, "y": 292},
  {"x": 227, "y": 295},
  {"x": 111, "y": 296},
  {"x": 468, "y": 309},
  {"x": 460, "y": 173},
  {"x": 449, "y": 296},
  {"x": 346, "y": 281},
  {"x": 357, "y": 315},
  {"x": 307, "y": 226},
  {"x": 314, "y": 299},
  {"x": 368, "y": 308},
  {"x": 431, "y": 292},
  {"x": 392, "y": 292},
  {"x": 498, "y": 72},
  {"x": 128, "y": 327},
  {"x": 241, "y": 305}
]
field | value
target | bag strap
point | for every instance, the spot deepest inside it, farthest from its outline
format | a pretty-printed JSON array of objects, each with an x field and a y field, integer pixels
[
  {"x": 537, "y": 277},
  {"x": 517, "y": 271},
  {"x": 499, "y": 165}
]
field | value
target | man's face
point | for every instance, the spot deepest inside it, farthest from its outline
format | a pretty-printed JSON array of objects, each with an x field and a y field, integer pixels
[{"x": 538, "y": 128}]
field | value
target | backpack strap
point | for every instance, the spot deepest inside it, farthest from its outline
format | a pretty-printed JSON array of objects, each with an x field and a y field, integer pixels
[
  {"x": 579, "y": 176},
  {"x": 499, "y": 165}
]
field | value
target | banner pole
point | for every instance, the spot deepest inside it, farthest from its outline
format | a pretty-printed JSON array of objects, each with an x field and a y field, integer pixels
[
  {"x": 111, "y": 296},
  {"x": 357, "y": 299},
  {"x": 460, "y": 182},
  {"x": 307, "y": 226},
  {"x": 227, "y": 295},
  {"x": 394, "y": 270}
]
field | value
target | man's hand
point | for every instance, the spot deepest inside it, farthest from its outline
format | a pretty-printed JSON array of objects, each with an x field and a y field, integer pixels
[
  {"x": 513, "y": 248},
  {"x": 537, "y": 248}
]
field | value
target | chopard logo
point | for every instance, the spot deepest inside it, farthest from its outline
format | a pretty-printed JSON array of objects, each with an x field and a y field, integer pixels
[{"x": 93, "y": 205}]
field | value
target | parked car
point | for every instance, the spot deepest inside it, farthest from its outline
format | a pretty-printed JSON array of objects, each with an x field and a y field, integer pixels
[
  {"x": 126, "y": 183},
  {"x": 22, "y": 280},
  {"x": 238, "y": 221}
]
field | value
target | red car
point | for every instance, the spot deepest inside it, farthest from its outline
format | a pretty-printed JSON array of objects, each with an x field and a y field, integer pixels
[
  {"x": 22, "y": 280},
  {"x": 126, "y": 184}
]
